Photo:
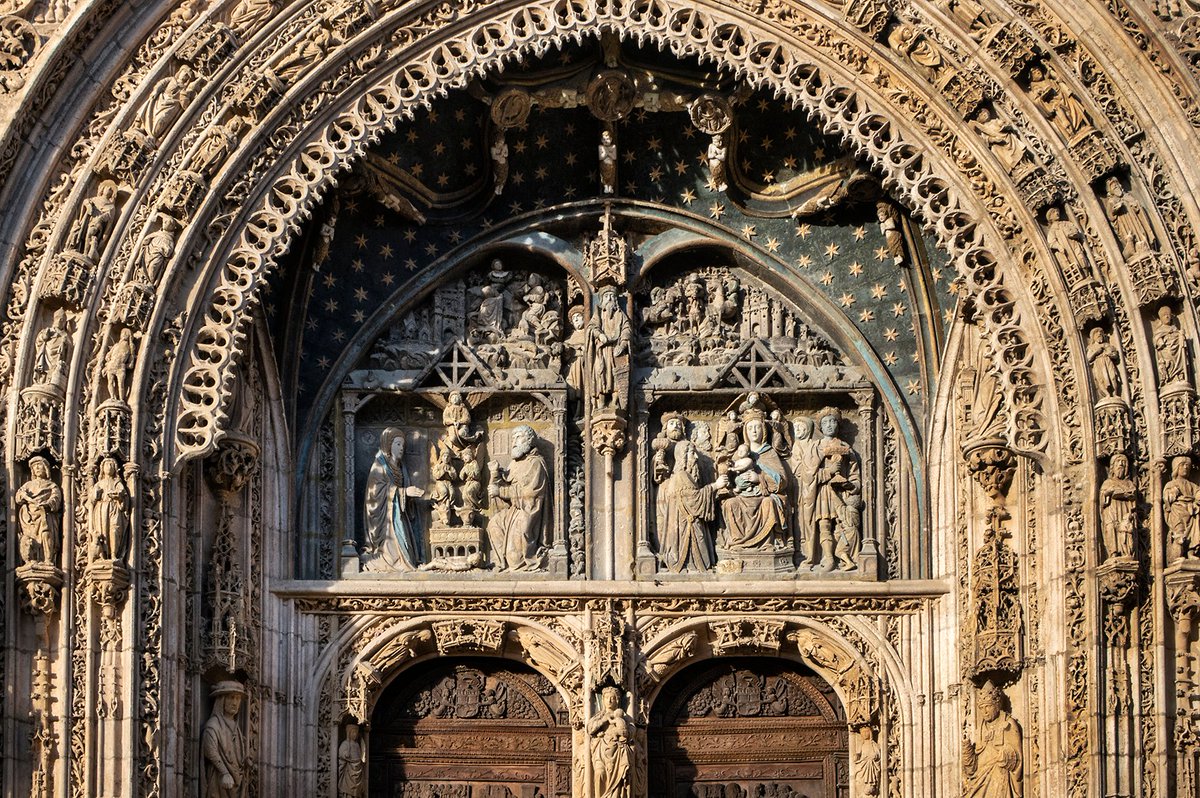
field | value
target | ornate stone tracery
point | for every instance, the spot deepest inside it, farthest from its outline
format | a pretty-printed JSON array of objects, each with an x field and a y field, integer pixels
[{"x": 87, "y": 417}]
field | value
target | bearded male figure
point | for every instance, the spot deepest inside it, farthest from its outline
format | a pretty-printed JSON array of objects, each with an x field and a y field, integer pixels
[
  {"x": 686, "y": 509},
  {"x": 521, "y": 490}
]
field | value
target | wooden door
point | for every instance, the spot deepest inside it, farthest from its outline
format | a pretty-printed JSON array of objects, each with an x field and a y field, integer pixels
[
  {"x": 748, "y": 728},
  {"x": 470, "y": 729}
]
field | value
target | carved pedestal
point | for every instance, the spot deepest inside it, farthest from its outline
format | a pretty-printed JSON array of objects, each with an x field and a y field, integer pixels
[
  {"x": 40, "y": 585},
  {"x": 134, "y": 305},
  {"x": 768, "y": 561},
  {"x": 1178, "y": 403},
  {"x": 607, "y": 431},
  {"x": 39, "y": 421},
  {"x": 1150, "y": 277},
  {"x": 1094, "y": 152},
  {"x": 112, "y": 430},
  {"x": 68, "y": 278},
  {"x": 1183, "y": 598},
  {"x": 1112, "y": 426}
]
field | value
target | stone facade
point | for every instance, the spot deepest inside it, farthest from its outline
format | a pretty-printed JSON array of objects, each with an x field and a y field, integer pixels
[{"x": 588, "y": 398}]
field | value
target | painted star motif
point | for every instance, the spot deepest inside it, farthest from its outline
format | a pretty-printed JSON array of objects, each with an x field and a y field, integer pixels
[
  {"x": 656, "y": 174},
  {"x": 385, "y": 251},
  {"x": 860, "y": 233},
  {"x": 790, "y": 133},
  {"x": 878, "y": 291},
  {"x": 856, "y": 269},
  {"x": 768, "y": 177},
  {"x": 571, "y": 159},
  {"x": 388, "y": 278},
  {"x": 542, "y": 142},
  {"x": 890, "y": 358},
  {"x": 890, "y": 334},
  {"x": 804, "y": 261},
  {"x": 913, "y": 387},
  {"x": 455, "y": 236},
  {"x": 323, "y": 362},
  {"x": 460, "y": 115},
  {"x": 630, "y": 187},
  {"x": 790, "y": 162},
  {"x": 541, "y": 173},
  {"x": 716, "y": 210},
  {"x": 360, "y": 241},
  {"x": 827, "y": 279},
  {"x": 418, "y": 169},
  {"x": 748, "y": 231},
  {"x": 520, "y": 146},
  {"x": 330, "y": 281},
  {"x": 518, "y": 178},
  {"x": 881, "y": 254},
  {"x": 358, "y": 265},
  {"x": 443, "y": 180},
  {"x": 846, "y": 300},
  {"x": 804, "y": 230},
  {"x": 687, "y": 197},
  {"x": 654, "y": 143},
  {"x": 470, "y": 169},
  {"x": 439, "y": 148},
  {"x": 380, "y": 221},
  {"x": 681, "y": 167},
  {"x": 358, "y": 316},
  {"x": 629, "y": 156},
  {"x": 772, "y": 244},
  {"x": 866, "y": 316},
  {"x": 331, "y": 306},
  {"x": 339, "y": 335},
  {"x": 832, "y": 250},
  {"x": 411, "y": 264},
  {"x": 411, "y": 137},
  {"x": 360, "y": 294},
  {"x": 431, "y": 249},
  {"x": 899, "y": 309},
  {"x": 766, "y": 143}
]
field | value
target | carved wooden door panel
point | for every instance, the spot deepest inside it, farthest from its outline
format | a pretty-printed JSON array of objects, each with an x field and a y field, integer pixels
[
  {"x": 470, "y": 729},
  {"x": 748, "y": 728}
]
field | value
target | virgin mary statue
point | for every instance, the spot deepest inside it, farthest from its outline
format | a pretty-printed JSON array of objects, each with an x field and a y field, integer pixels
[{"x": 394, "y": 539}]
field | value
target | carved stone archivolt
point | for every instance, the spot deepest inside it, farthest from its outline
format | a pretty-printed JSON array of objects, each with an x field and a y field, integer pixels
[{"x": 1029, "y": 82}]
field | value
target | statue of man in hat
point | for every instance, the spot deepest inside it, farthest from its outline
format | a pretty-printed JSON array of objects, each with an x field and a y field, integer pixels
[{"x": 223, "y": 745}]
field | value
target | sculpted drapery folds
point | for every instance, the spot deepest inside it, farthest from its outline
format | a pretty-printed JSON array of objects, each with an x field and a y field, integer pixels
[
  {"x": 395, "y": 539},
  {"x": 515, "y": 532},
  {"x": 1103, "y": 357},
  {"x": 352, "y": 765},
  {"x": 109, "y": 515},
  {"x": 222, "y": 744},
  {"x": 614, "y": 762},
  {"x": 838, "y": 502},
  {"x": 1181, "y": 506},
  {"x": 608, "y": 340},
  {"x": 1118, "y": 509},
  {"x": 1170, "y": 347},
  {"x": 686, "y": 507},
  {"x": 993, "y": 762},
  {"x": 39, "y": 504},
  {"x": 753, "y": 508}
]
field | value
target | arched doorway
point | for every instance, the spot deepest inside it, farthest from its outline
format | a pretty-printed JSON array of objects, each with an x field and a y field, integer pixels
[
  {"x": 748, "y": 728},
  {"x": 470, "y": 728}
]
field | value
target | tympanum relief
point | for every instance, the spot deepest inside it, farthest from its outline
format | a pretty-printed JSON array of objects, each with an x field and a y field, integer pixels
[{"x": 751, "y": 429}]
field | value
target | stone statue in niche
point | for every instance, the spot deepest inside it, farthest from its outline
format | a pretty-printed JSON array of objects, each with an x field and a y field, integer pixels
[
  {"x": 52, "y": 351},
  {"x": 1066, "y": 242},
  {"x": 1103, "y": 358},
  {"x": 1182, "y": 510},
  {"x": 686, "y": 507},
  {"x": 90, "y": 228},
  {"x": 222, "y": 744},
  {"x": 471, "y": 493},
  {"x": 753, "y": 507},
  {"x": 805, "y": 462},
  {"x": 607, "y": 346},
  {"x": 1170, "y": 348},
  {"x": 39, "y": 502},
  {"x": 837, "y": 508},
  {"x": 395, "y": 540},
  {"x": 352, "y": 765},
  {"x": 109, "y": 515},
  {"x": 992, "y": 763},
  {"x": 1128, "y": 221},
  {"x": 117, "y": 363},
  {"x": 170, "y": 95},
  {"x": 866, "y": 762},
  {"x": 499, "y": 153},
  {"x": 607, "y": 152},
  {"x": 456, "y": 493},
  {"x": 576, "y": 351},
  {"x": 520, "y": 500},
  {"x": 1001, "y": 138},
  {"x": 1057, "y": 103},
  {"x": 1118, "y": 509},
  {"x": 612, "y": 732},
  {"x": 456, "y": 418},
  {"x": 716, "y": 163},
  {"x": 442, "y": 496}
]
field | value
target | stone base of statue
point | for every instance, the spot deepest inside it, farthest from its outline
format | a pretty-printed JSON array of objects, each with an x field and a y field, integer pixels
[
  {"x": 40, "y": 583},
  {"x": 756, "y": 561},
  {"x": 606, "y": 430},
  {"x": 1177, "y": 403},
  {"x": 1112, "y": 426},
  {"x": 1183, "y": 586},
  {"x": 868, "y": 560},
  {"x": 455, "y": 548},
  {"x": 112, "y": 429},
  {"x": 1117, "y": 578},
  {"x": 109, "y": 580},
  {"x": 39, "y": 421}
]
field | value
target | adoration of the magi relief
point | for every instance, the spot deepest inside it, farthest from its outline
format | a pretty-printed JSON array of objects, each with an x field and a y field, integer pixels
[{"x": 600, "y": 399}]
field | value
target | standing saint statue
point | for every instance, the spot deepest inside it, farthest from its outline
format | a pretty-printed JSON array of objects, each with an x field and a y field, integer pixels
[
  {"x": 992, "y": 763},
  {"x": 805, "y": 463},
  {"x": 394, "y": 536},
  {"x": 612, "y": 732},
  {"x": 1170, "y": 347},
  {"x": 222, "y": 744},
  {"x": 52, "y": 351},
  {"x": 1103, "y": 358},
  {"x": 522, "y": 492},
  {"x": 39, "y": 502},
  {"x": 1182, "y": 511},
  {"x": 755, "y": 518},
  {"x": 838, "y": 503},
  {"x": 1118, "y": 509},
  {"x": 685, "y": 510},
  {"x": 109, "y": 515},
  {"x": 608, "y": 340},
  {"x": 117, "y": 363},
  {"x": 352, "y": 765}
]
